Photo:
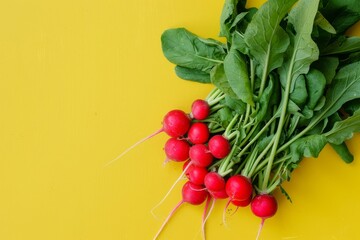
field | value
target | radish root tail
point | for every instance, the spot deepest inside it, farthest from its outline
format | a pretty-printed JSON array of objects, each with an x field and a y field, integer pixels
[
  {"x": 133, "y": 146},
  {"x": 260, "y": 228},
  {"x": 168, "y": 218},
  {"x": 207, "y": 214},
  {"x": 171, "y": 188}
]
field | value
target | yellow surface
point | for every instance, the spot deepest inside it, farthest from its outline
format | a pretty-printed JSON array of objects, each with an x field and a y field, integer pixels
[{"x": 82, "y": 80}]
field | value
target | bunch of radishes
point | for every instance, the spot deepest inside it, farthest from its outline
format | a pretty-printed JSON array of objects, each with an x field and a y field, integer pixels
[
  {"x": 207, "y": 153},
  {"x": 286, "y": 84}
]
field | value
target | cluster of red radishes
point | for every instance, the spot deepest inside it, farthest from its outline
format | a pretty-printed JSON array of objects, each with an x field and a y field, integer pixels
[{"x": 192, "y": 143}]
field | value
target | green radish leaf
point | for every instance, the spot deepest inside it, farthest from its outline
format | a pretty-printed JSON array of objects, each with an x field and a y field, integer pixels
[
  {"x": 342, "y": 14},
  {"x": 353, "y": 57},
  {"x": 315, "y": 82},
  {"x": 307, "y": 112},
  {"x": 219, "y": 79},
  {"x": 344, "y": 130},
  {"x": 229, "y": 12},
  {"x": 238, "y": 28},
  {"x": 185, "y": 49},
  {"x": 225, "y": 116},
  {"x": 324, "y": 24},
  {"x": 264, "y": 142},
  {"x": 264, "y": 36},
  {"x": 265, "y": 100},
  {"x": 238, "y": 43},
  {"x": 235, "y": 67},
  {"x": 344, "y": 87},
  {"x": 235, "y": 104},
  {"x": 192, "y": 74},
  {"x": 328, "y": 66},
  {"x": 352, "y": 106},
  {"x": 319, "y": 128},
  {"x": 292, "y": 107},
  {"x": 320, "y": 104},
  {"x": 343, "y": 151},
  {"x": 299, "y": 94},
  {"x": 239, "y": 18},
  {"x": 285, "y": 193},
  {"x": 303, "y": 50},
  {"x": 309, "y": 146},
  {"x": 342, "y": 45}
]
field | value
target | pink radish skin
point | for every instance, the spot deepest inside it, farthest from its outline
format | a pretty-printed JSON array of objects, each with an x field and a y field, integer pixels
[
  {"x": 219, "y": 146},
  {"x": 177, "y": 149},
  {"x": 196, "y": 174},
  {"x": 198, "y": 133},
  {"x": 239, "y": 188},
  {"x": 200, "y": 155},
  {"x": 214, "y": 182},
  {"x": 200, "y": 109},
  {"x": 191, "y": 193},
  {"x": 176, "y": 123},
  {"x": 263, "y": 206}
]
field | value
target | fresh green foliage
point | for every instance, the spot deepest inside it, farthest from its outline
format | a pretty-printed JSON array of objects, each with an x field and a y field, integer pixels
[
  {"x": 344, "y": 130},
  {"x": 343, "y": 151},
  {"x": 266, "y": 40},
  {"x": 187, "y": 50},
  {"x": 229, "y": 14},
  {"x": 342, "y": 45},
  {"x": 219, "y": 79},
  {"x": 315, "y": 84},
  {"x": 309, "y": 146},
  {"x": 344, "y": 87},
  {"x": 287, "y": 83},
  {"x": 192, "y": 74},
  {"x": 236, "y": 71}
]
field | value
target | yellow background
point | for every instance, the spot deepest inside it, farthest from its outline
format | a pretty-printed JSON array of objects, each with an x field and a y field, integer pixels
[{"x": 81, "y": 81}]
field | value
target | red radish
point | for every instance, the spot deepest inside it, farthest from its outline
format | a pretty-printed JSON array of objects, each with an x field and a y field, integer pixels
[
  {"x": 200, "y": 109},
  {"x": 219, "y": 146},
  {"x": 200, "y": 155},
  {"x": 198, "y": 133},
  {"x": 177, "y": 149},
  {"x": 176, "y": 123},
  {"x": 263, "y": 206},
  {"x": 214, "y": 182},
  {"x": 239, "y": 187},
  {"x": 191, "y": 193},
  {"x": 219, "y": 194},
  {"x": 196, "y": 174}
]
